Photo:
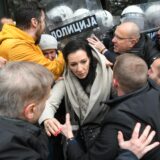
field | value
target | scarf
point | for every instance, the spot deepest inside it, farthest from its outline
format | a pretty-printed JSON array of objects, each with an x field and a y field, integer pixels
[{"x": 99, "y": 91}]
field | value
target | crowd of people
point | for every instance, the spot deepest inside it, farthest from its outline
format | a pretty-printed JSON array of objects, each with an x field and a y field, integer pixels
[{"x": 111, "y": 93}]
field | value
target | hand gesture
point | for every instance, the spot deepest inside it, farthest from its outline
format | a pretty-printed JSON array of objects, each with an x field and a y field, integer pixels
[
  {"x": 138, "y": 144},
  {"x": 95, "y": 42},
  {"x": 52, "y": 126},
  {"x": 66, "y": 129}
]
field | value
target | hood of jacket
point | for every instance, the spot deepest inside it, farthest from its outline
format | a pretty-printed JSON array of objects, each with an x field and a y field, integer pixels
[{"x": 10, "y": 31}]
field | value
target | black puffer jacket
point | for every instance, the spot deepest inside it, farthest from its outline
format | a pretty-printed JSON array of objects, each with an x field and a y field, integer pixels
[{"x": 21, "y": 140}]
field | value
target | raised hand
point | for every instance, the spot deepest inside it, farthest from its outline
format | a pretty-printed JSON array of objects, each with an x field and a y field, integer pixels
[
  {"x": 95, "y": 42},
  {"x": 66, "y": 129},
  {"x": 138, "y": 144}
]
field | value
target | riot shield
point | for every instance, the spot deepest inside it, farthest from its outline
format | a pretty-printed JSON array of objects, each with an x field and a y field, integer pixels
[
  {"x": 71, "y": 20},
  {"x": 145, "y": 15}
]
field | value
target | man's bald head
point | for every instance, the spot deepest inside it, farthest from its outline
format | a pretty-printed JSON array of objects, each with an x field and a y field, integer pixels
[
  {"x": 130, "y": 28},
  {"x": 125, "y": 37}
]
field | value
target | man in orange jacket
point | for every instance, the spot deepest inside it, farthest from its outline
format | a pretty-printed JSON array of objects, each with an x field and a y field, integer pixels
[{"x": 20, "y": 42}]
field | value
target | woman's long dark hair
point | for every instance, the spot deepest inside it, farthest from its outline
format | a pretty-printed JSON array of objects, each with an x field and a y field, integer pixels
[{"x": 74, "y": 45}]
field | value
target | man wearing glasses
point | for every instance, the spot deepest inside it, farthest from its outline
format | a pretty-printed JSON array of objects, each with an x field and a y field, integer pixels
[{"x": 127, "y": 39}]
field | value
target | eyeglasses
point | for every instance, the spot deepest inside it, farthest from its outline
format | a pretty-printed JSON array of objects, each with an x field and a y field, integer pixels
[
  {"x": 157, "y": 57},
  {"x": 121, "y": 38}
]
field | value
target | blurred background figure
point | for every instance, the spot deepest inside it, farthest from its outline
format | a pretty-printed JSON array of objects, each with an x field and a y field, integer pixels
[
  {"x": 48, "y": 45},
  {"x": 60, "y": 13},
  {"x": 105, "y": 17},
  {"x": 152, "y": 14},
  {"x": 156, "y": 39},
  {"x": 81, "y": 11},
  {"x": 106, "y": 21},
  {"x": 134, "y": 14}
]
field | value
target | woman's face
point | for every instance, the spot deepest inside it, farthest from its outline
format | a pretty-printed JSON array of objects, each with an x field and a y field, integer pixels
[{"x": 78, "y": 63}]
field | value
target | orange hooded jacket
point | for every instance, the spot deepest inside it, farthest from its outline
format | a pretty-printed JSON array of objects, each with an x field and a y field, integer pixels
[{"x": 17, "y": 45}]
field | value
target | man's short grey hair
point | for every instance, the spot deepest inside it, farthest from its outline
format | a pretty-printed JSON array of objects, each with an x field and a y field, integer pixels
[
  {"x": 22, "y": 83},
  {"x": 131, "y": 72}
]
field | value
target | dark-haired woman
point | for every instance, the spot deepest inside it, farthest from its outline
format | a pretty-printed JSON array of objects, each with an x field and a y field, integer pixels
[{"x": 87, "y": 82}]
